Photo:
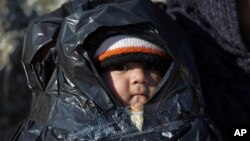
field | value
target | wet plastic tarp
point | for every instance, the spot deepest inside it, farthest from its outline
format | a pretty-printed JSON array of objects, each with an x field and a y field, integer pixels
[{"x": 70, "y": 101}]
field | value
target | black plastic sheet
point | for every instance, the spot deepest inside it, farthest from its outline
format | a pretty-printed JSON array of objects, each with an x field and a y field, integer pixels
[{"x": 70, "y": 101}]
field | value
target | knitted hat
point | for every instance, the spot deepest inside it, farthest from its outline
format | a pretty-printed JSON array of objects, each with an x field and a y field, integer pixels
[{"x": 124, "y": 48}]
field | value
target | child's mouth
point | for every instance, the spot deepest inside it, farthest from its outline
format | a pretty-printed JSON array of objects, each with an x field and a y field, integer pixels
[
  {"x": 141, "y": 95},
  {"x": 140, "y": 98}
]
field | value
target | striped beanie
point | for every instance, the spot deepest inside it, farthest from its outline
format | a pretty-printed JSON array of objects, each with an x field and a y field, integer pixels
[{"x": 124, "y": 48}]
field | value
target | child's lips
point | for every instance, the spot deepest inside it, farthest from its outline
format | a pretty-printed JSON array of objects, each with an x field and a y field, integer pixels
[
  {"x": 144, "y": 95},
  {"x": 139, "y": 98}
]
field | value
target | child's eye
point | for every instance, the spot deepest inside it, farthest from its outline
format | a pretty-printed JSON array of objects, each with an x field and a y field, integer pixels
[
  {"x": 149, "y": 66},
  {"x": 119, "y": 67}
]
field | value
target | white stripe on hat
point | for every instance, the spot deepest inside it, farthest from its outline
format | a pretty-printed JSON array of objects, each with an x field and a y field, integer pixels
[{"x": 125, "y": 41}]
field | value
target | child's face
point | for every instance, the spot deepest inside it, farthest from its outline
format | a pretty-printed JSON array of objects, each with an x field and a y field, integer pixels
[{"x": 132, "y": 82}]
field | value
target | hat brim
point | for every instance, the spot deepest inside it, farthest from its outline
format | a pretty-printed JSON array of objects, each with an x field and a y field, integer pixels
[{"x": 159, "y": 62}]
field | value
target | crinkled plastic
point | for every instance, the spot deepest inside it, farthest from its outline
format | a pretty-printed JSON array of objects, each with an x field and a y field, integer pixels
[{"x": 70, "y": 101}]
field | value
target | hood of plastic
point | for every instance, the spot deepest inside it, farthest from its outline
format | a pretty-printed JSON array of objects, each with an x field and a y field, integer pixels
[{"x": 70, "y": 101}]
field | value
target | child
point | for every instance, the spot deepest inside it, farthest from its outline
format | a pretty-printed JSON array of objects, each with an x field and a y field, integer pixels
[
  {"x": 131, "y": 68},
  {"x": 111, "y": 70}
]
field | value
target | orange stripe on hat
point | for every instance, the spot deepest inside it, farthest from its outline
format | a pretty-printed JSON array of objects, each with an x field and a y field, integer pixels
[
  {"x": 125, "y": 50},
  {"x": 122, "y": 44}
]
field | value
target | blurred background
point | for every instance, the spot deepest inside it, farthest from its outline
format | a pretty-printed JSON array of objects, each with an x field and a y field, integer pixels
[{"x": 15, "y": 96}]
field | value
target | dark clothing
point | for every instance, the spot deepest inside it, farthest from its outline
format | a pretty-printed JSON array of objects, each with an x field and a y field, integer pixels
[
  {"x": 222, "y": 58},
  {"x": 70, "y": 100}
]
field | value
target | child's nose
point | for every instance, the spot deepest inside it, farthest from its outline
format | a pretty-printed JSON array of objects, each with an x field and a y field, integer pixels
[{"x": 139, "y": 76}]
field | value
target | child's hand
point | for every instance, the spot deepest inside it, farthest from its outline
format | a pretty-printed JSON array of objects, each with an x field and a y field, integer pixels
[
  {"x": 137, "y": 107},
  {"x": 137, "y": 103},
  {"x": 136, "y": 116}
]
